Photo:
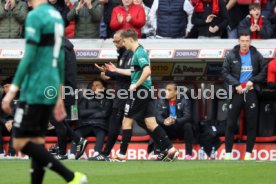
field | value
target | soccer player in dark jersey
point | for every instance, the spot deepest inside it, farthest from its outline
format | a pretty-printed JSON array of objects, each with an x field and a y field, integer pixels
[
  {"x": 140, "y": 106},
  {"x": 40, "y": 76}
]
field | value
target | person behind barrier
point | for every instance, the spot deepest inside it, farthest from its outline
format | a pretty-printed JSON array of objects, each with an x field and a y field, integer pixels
[
  {"x": 87, "y": 15},
  {"x": 127, "y": 16},
  {"x": 258, "y": 25},
  {"x": 93, "y": 115},
  {"x": 271, "y": 74},
  {"x": 210, "y": 18},
  {"x": 12, "y": 18},
  {"x": 175, "y": 115},
  {"x": 244, "y": 68},
  {"x": 6, "y": 122}
]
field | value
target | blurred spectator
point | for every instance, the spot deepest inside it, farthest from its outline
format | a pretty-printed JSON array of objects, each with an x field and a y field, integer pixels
[
  {"x": 257, "y": 25},
  {"x": 94, "y": 114},
  {"x": 62, "y": 8},
  {"x": 174, "y": 115},
  {"x": 148, "y": 3},
  {"x": 169, "y": 18},
  {"x": 236, "y": 14},
  {"x": 70, "y": 29},
  {"x": 272, "y": 18},
  {"x": 87, "y": 15},
  {"x": 109, "y": 5},
  {"x": 128, "y": 16},
  {"x": 6, "y": 122},
  {"x": 271, "y": 74},
  {"x": 148, "y": 30},
  {"x": 210, "y": 18},
  {"x": 266, "y": 7},
  {"x": 12, "y": 17}
]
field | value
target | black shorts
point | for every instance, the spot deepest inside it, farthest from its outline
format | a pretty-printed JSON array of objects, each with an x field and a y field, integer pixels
[
  {"x": 140, "y": 108},
  {"x": 31, "y": 120}
]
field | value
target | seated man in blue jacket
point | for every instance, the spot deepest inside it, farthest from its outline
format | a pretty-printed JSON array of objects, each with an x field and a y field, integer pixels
[{"x": 174, "y": 115}]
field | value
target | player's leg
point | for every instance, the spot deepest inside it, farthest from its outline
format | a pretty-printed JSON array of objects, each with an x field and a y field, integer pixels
[
  {"x": 133, "y": 110},
  {"x": 126, "y": 138},
  {"x": 41, "y": 158},
  {"x": 251, "y": 108},
  {"x": 61, "y": 133},
  {"x": 234, "y": 109},
  {"x": 30, "y": 127},
  {"x": 169, "y": 153}
]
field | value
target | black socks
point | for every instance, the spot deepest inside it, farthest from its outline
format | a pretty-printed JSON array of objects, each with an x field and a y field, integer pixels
[
  {"x": 126, "y": 139},
  {"x": 43, "y": 159}
]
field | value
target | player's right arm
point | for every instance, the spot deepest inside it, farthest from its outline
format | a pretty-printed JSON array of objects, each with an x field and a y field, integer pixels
[{"x": 112, "y": 68}]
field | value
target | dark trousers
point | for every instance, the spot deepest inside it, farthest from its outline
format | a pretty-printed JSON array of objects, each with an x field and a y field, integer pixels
[
  {"x": 5, "y": 132},
  {"x": 115, "y": 124},
  {"x": 63, "y": 132},
  {"x": 250, "y": 103},
  {"x": 181, "y": 131},
  {"x": 89, "y": 130}
]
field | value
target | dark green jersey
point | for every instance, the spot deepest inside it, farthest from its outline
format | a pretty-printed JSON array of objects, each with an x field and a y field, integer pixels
[
  {"x": 140, "y": 59},
  {"x": 41, "y": 70}
]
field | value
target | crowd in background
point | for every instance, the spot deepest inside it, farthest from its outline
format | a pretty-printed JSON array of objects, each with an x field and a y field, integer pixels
[{"x": 151, "y": 18}]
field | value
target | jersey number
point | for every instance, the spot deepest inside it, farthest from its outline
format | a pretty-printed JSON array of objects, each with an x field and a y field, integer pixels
[{"x": 58, "y": 41}]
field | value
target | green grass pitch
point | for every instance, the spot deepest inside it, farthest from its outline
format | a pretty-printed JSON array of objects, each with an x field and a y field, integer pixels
[{"x": 150, "y": 172}]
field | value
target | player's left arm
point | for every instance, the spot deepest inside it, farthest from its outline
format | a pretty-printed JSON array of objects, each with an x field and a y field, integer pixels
[
  {"x": 144, "y": 64},
  {"x": 32, "y": 36},
  {"x": 145, "y": 74}
]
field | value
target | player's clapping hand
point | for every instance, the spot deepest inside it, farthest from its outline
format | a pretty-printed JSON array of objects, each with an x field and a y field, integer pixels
[
  {"x": 133, "y": 87},
  {"x": 59, "y": 111},
  {"x": 110, "y": 67},
  {"x": 101, "y": 68}
]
